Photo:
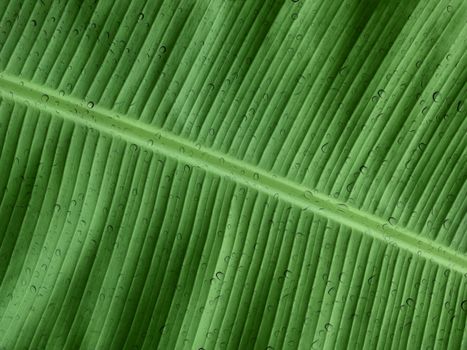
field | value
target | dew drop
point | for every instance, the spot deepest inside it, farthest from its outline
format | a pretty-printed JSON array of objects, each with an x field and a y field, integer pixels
[
  {"x": 446, "y": 224},
  {"x": 392, "y": 220},
  {"x": 219, "y": 275},
  {"x": 363, "y": 169},
  {"x": 61, "y": 93},
  {"x": 162, "y": 49},
  {"x": 374, "y": 99},
  {"x": 324, "y": 148},
  {"x": 308, "y": 195},
  {"x": 33, "y": 288},
  {"x": 328, "y": 327},
  {"x": 45, "y": 98},
  {"x": 464, "y": 305},
  {"x": 381, "y": 93},
  {"x": 90, "y": 104},
  {"x": 410, "y": 302},
  {"x": 460, "y": 106},
  {"x": 435, "y": 96},
  {"x": 34, "y": 22},
  {"x": 141, "y": 16}
]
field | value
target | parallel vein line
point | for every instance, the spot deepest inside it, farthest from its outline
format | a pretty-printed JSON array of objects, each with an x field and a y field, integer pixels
[{"x": 151, "y": 137}]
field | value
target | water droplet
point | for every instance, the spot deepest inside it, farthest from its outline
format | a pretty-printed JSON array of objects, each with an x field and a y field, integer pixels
[
  {"x": 90, "y": 104},
  {"x": 162, "y": 49},
  {"x": 294, "y": 16},
  {"x": 58, "y": 252},
  {"x": 61, "y": 93},
  {"x": 141, "y": 16},
  {"x": 464, "y": 305},
  {"x": 186, "y": 168},
  {"x": 45, "y": 98},
  {"x": 308, "y": 194},
  {"x": 371, "y": 279},
  {"x": 374, "y": 99},
  {"x": 381, "y": 93},
  {"x": 219, "y": 275},
  {"x": 363, "y": 169},
  {"x": 33, "y": 288},
  {"x": 421, "y": 146},
  {"x": 410, "y": 302},
  {"x": 435, "y": 96},
  {"x": 460, "y": 106},
  {"x": 392, "y": 220},
  {"x": 446, "y": 223},
  {"x": 34, "y": 22},
  {"x": 328, "y": 327},
  {"x": 324, "y": 148}
]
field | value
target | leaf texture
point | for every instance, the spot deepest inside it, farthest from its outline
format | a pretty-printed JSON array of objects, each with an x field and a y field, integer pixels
[{"x": 233, "y": 174}]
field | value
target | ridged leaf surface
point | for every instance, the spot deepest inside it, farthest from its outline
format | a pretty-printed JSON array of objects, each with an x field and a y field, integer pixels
[{"x": 210, "y": 174}]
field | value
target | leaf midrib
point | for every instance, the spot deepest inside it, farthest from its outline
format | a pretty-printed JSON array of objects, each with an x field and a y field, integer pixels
[{"x": 156, "y": 139}]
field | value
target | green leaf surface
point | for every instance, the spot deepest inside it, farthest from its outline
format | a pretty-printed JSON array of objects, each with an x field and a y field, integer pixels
[{"x": 210, "y": 174}]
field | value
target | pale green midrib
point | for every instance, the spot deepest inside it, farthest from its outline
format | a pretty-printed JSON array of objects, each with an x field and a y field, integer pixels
[{"x": 150, "y": 137}]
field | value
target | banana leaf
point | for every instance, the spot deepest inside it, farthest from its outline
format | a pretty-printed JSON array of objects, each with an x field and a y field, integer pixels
[{"x": 233, "y": 174}]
